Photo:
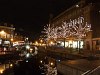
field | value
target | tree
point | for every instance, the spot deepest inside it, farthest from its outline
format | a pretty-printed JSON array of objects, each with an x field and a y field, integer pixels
[
  {"x": 80, "y": 28},
  {"x": 48, "y": 32},
  {"x": 51, "y": 32},
  {"x": 54, "y": 33},
  {"x": 64, "y": 31},
  {"x": 75, "y": 28}
]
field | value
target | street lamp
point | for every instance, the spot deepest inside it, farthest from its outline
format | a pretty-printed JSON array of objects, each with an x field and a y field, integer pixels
[
  {"x": 41, "y": 41},
  {"x": 12, "y": 39},
  {"x": 36, "y": 43}
]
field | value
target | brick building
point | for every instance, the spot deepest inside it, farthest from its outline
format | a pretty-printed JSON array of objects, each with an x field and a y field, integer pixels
[
  {"x": 90, "y": 10},
  {"x": 6, "y": 35}
]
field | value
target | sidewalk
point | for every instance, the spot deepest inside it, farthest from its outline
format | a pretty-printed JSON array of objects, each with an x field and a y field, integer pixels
[
  {"x": 70, "y": 53},
  {"x": 77, "y": 67}
]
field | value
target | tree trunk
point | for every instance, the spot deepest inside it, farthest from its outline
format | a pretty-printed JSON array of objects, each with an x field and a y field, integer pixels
[{"x": 64, "y": 42}]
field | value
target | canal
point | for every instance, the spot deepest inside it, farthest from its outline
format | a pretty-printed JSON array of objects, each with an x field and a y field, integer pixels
[{"x": 39, "y": 64}]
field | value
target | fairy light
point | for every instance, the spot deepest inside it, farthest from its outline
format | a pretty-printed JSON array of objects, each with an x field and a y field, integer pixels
[
  {"x": 81, "y": 27},
  {"x": 54, "y": 33},
  {"x": 64, "y": 30},
  {"x": 74, "y": 28},
  {"x": 51, "y": 32},
  {"x": 47, "y": 31}
]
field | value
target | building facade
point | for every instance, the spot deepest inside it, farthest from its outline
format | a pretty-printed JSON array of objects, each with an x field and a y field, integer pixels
[
  {"x": 91, "y": 12},
  {"x": 6, "y": 35}
]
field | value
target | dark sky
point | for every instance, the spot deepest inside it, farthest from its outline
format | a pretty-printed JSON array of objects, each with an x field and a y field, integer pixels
[{"x": 30, "y": 16}]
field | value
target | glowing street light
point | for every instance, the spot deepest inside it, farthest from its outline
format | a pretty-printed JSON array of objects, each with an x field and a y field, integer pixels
[
  {"x": 1, "y": 71},
  {"x": 3, "y": 33},
  {"x": 27, "y": 47},
  {"x": 36, "y": 43},
  {"x": 12, "y": 39},
  {"x": 41, "y": 61},
  {"x": 51, "y": 42},
  {"x": 41, "y": 41},
  {"x": 11, "y": 65}
]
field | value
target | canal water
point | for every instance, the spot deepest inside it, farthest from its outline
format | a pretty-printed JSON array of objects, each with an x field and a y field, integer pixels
[{"x": 39, "y": 64}]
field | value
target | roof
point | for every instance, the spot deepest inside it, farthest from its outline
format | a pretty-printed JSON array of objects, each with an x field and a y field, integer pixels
[{"x": 7, "y": 27}]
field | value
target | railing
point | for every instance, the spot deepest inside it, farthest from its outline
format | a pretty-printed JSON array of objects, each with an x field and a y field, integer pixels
[
  {"x": 86, "y": 72},
  {"x": 95, "y": 71}
]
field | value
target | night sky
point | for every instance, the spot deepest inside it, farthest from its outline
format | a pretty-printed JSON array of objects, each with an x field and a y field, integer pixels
[{"x": 30, "y": 16}]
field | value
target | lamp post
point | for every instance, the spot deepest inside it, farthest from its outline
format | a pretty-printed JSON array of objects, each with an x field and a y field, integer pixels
[{"x": 41, "y": 41}]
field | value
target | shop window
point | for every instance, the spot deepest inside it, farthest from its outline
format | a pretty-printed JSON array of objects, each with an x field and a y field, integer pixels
[{"x": 98, "y": 42}]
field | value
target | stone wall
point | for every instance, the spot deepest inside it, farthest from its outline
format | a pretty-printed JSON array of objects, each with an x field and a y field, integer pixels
[{"x": 67, "y": 70}]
